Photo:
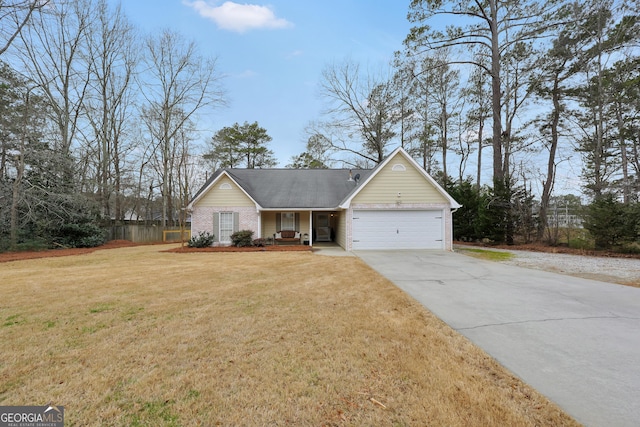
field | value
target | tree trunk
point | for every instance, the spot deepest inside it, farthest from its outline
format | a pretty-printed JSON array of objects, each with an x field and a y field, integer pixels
[
  {"x": 17, "y": 183},
  {"x": 551, "y": 162},
  {"x": 478, "y": 176},
  {"x": 626, "y": 193},
  {"x": 496, "y": 98}
]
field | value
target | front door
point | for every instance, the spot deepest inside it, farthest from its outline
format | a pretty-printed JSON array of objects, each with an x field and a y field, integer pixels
[{"x": 323, "y": 228}]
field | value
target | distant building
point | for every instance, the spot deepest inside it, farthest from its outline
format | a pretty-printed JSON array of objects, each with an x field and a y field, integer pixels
[{"x": 564, "y": 217}]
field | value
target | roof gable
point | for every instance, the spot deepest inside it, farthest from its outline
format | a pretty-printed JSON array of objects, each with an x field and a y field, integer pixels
[
  {"x": 221, "y": 181},
  {"x": 398, "y": 160}
]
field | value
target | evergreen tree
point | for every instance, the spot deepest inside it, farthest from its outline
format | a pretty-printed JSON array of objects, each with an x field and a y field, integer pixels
[{"x": 241, "y": 146}]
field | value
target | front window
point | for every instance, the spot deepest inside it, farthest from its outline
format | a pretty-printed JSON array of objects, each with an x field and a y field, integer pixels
[
  {"x": 226, "y": 226},
  {"x": 288, "y": 221}
]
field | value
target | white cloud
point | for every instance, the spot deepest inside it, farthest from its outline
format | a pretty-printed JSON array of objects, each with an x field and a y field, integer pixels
[
  {"x": 239, "y": 17},
  {"x": 246, "y": 74},
  {"x": 293, "y": 54}
]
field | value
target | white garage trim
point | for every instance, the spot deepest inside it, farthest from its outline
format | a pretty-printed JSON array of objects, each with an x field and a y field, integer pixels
[{"x": 398, "y": 229}]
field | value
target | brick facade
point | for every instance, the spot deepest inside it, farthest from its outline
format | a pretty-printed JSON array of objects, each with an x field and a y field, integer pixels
[{"x": 202, "y": 219}]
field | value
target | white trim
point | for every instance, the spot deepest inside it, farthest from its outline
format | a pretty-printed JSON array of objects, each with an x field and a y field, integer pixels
[
  {"x": 225, "y": 186},
  {"x": 453, "y": 204},
  {"x": 259, "y": 226},
  {"x": 398, "y": 167},
  {"x": 310, "y": 228},
  {"x": 220, "y": 226}
]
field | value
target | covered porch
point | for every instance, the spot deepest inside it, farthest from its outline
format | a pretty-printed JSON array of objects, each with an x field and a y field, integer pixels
[{"x": 314, "y": 226}]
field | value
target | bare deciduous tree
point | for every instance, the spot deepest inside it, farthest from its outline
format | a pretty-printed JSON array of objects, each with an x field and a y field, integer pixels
[
  {"x": 362, "y": 109},
  {"x": 14, "y": 15},
  {"x": 177, "y": 84},
  {"x": 55, "y": 48},
  {"x": 108, "y": 104}
]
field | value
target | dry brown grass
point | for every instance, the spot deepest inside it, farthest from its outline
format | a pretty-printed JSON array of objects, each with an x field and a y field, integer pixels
[{"x": 135, "y": 336}]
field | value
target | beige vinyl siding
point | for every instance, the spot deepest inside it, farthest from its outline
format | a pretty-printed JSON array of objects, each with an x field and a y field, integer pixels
[
  {"x": 219, "y": 197},
  {"x": 410, "y": 183},
  {"x": 304, "y": 223},
  {"x": 269, "y": 222}
]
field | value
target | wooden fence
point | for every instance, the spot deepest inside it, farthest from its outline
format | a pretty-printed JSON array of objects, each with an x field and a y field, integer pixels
[{"x": 147, "y": 233}]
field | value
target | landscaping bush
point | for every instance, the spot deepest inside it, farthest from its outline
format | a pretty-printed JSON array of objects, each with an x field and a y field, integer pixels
[
  {"x": 242, "y": 238},
  {"x": 30, "y": 245},
  {"x": 630, "y": 248},
  {"x": 580, "y": 243},
  {"x": 204, "y": 239},
  {"x": 260, "y": 243},
  {"x": 613, "y": 224},
  {"x": 83, "y": 235}
]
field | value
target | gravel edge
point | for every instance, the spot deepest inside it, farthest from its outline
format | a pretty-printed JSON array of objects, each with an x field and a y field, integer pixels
[{"x": 622, "y": 271}]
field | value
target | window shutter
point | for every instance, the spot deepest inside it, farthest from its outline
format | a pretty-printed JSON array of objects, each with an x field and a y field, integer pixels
[
  {"x": 216, "y": 227},
  {"x": 278, "y": 222},
  {"x": 297, "y": 221},
  {"x": 236, "y": 221}
]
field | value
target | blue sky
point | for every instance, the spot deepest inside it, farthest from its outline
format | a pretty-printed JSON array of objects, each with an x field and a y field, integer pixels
[{"x": 272, "y": 53}]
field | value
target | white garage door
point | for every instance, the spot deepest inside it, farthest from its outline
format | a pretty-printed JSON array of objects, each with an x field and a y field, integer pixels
[{"x": 397, "y": 229}]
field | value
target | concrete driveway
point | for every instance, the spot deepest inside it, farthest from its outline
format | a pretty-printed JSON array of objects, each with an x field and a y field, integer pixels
[{"x": 576, "y": 341}]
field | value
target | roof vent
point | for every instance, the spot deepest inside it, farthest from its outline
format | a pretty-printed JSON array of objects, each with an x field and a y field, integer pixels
[
  {"x": 357, "y": 178},
  {"x": 350, "y": 176}
]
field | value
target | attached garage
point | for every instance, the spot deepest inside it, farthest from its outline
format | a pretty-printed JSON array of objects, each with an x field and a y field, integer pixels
[
  {"x": 396, "y": 205},
  {"x": 398, "y": 229}
]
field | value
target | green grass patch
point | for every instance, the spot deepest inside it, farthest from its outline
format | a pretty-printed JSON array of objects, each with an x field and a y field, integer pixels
[
  {"x": 489, "y": 255},
  {"x": 155, "y": 413},
  {"x": 131, "y": 312},
  {"x": 92, "y": 329},
  {"x": 101, "y": 308},
  {"x": 13, "y": 320},
  {"x": 49, "y": 324}
]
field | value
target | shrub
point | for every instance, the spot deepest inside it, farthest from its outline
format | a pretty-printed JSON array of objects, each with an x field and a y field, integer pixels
[
  {"x": 612, "y": 223},
  {"x": 84, "y": 235},
  {"x": 630, "y": 248},
  {"x": 204, "y": 239},
  {"x": 242, "y": 238},
  {"x": 30, "y": 245},
  {"x": 260, "y": 243},
  {"x": 580, "y": 243}
]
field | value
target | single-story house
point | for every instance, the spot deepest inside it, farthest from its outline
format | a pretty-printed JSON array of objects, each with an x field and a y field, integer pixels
[{"x": 396, "y": 205}]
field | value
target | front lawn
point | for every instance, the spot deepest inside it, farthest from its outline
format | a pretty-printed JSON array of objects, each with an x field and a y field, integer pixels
[{"x": 136, "y": 336}]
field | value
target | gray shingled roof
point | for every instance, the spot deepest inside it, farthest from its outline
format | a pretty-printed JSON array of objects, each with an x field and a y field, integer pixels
[{"x": 294, "y": 188}]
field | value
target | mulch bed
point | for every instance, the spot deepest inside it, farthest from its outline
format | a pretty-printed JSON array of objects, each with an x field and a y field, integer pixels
[
  {"x": 274, "y": 248},
  {"x": 49, "y": 253}
]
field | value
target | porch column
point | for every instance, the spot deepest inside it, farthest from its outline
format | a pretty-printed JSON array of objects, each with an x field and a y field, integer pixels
[
  {"x": 310, "y": 228},
  {"x": 259, "y": 223}
]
